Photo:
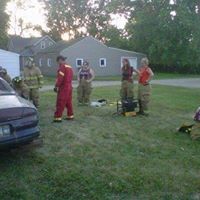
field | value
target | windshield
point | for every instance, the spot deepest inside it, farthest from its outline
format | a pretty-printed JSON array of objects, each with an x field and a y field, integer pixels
[{"x": 5, "y": 88}]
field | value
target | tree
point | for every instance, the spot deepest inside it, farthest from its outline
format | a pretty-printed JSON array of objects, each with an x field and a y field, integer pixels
[
  {"x": 80, "y": 18},
  {"x": 66, "y": 16},
  {"x": 3, "y": 24},
  {"x": 17, "y": 24},
  {"x": 167, "y": 32}
]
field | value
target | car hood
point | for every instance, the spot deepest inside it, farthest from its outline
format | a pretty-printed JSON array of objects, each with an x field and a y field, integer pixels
[
  {"x": 13, "y": 107},
  {"x": 13, "y": 101}
]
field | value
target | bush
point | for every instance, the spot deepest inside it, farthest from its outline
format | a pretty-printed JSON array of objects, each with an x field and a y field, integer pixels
[{"x": 176, "y": 69}]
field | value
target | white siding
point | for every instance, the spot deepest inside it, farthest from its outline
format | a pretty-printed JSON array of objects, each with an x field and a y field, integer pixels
[{"x": 10, "y": 61}]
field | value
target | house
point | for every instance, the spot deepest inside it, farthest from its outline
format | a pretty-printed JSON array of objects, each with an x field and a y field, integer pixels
[
  {"x": 28, "y": 47},
  {"x": 10, "y": 61},
  {"x": 106, "y": 61}
]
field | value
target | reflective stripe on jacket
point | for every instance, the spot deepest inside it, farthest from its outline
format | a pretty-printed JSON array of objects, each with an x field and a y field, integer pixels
[{"x": 33, "y": 77}]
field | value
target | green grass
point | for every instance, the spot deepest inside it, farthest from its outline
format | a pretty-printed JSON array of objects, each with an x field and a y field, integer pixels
[
  {"x": 105, "y": 157},
  {"x": 174, "y": 76},
  {"x": 158, "y": 76}
]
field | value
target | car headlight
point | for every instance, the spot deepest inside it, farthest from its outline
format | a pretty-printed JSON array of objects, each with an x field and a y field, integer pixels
[
  {"x": 30, "y": 115},
  {"x": 29, "y": 112},
  {"x": 5, "y": 130}
]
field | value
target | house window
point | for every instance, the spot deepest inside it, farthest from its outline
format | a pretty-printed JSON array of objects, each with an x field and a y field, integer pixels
[
  {"x": 50, "y": 43},
  {"x": 43, "y": 45},
  {"x": 79, "y": 62},
  {"x": 40, "y": 62},
  {"x": 102, "y": 62},
  {"x": 49, "y": 62}
]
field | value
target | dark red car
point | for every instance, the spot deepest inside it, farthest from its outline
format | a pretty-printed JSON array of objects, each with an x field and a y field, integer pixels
[{"x": 18, "y": 118}]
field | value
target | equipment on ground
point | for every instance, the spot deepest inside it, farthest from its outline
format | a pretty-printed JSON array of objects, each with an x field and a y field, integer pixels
[
  {"x": 127, "y": 107},
  {"x": 197, "y": 115},
  {"x": 98, "y": 103},
  {"x": 186, "y": 128}
]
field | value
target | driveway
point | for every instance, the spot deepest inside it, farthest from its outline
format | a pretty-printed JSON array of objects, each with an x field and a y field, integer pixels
[{"x": 187, "y": 83}]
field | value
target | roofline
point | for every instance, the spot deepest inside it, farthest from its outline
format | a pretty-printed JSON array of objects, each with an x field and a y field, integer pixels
[
  {"x": 17, "y": 54},
  {"x": 125, "y": 50},
  {"x": 96, "y": 40},
  {"x": 84, "y": 39},
  {"x": 46, "y": 36}
]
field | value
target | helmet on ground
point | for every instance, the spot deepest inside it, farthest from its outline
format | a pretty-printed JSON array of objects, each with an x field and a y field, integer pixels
[{"x": 197, "y": 115}]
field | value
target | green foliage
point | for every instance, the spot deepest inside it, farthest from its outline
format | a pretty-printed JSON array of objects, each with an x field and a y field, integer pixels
[
  {"x": 168, "y": 33},
  {"x": 79, "y": 18},
  {"x": 3, "y": 24}
]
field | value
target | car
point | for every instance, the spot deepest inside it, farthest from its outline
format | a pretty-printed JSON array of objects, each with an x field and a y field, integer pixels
[{"x": 19, "y": 121}]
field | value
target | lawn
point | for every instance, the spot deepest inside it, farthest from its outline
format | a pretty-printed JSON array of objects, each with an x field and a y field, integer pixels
[
  {"x": 158, "y": 76},
  {"x": 104, "y": 157}
]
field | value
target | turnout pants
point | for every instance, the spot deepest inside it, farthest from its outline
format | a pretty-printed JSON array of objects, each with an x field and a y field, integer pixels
[
  {"x": 84, "y": 91},
  {"x": 64, "y": 100},
  {"x": 144, "y": 93},
  {"x": 126, "y": 91},
  {"x": 34, "y": 96}
]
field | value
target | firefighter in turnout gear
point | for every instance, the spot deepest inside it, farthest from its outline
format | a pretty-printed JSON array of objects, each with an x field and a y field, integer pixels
[
  {"x": 85, "y": 78},
  {"x": 20, "y": 87},
  {"x": 126, "y": 91},
  {"x": 63, "y": 87},
  {"x": 144, "y": 88},
  {"x": 33, "y": 78},
  {"x": 4, "y": 75}
]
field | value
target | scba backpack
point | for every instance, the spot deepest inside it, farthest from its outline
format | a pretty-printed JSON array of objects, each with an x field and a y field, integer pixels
[{"x": 197, "y": 115}]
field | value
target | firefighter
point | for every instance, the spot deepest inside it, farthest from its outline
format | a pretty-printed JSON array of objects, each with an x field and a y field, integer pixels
[
  {"x": 63, "y": 87},
  {"x": 85, "y": 78},
  {"x": 33, "y": 78},
  {"x": 20, "y": 87},
  {"x": 126, "y": 91},
  {"x": 5, "y": 76},
  {"x": 144, "y": 89}
]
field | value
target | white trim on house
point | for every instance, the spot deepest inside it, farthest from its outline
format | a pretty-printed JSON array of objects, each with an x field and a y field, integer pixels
[
  {"x": 129, "y": 58},
  {"x": 42, "y": 45},
  {"x": 49, "y": 62},
  {"x": 80, "y": 59},
  {"x": 46, "y": 36},
  {"x": 125, "y": 50},
  {"x": 50, "y": 44},
  {"x": 40, "y": 62},
  {"x": 105, "y": 62}
]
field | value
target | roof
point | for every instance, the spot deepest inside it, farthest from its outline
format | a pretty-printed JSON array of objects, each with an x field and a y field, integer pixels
[
  {"x": 19, "y": 43},
  {"x": 27, "y": 52},
  {"x": 61, "y": 45},
  {"x": 8, "y": 52},
  {"x": 117, "y": 49}
]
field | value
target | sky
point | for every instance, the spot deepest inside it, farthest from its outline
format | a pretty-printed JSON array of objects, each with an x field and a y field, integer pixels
[{"x": 33, "y": 13}]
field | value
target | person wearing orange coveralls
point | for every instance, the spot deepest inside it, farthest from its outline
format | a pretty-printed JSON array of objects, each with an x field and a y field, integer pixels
[{"x": 63, "y": 88}]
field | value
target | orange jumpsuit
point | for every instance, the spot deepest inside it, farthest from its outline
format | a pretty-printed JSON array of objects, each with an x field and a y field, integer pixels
[{"x": 64, "y": 96}]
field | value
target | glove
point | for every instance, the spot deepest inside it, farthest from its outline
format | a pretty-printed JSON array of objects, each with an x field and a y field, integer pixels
[{"x": 55, "y": 89}]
